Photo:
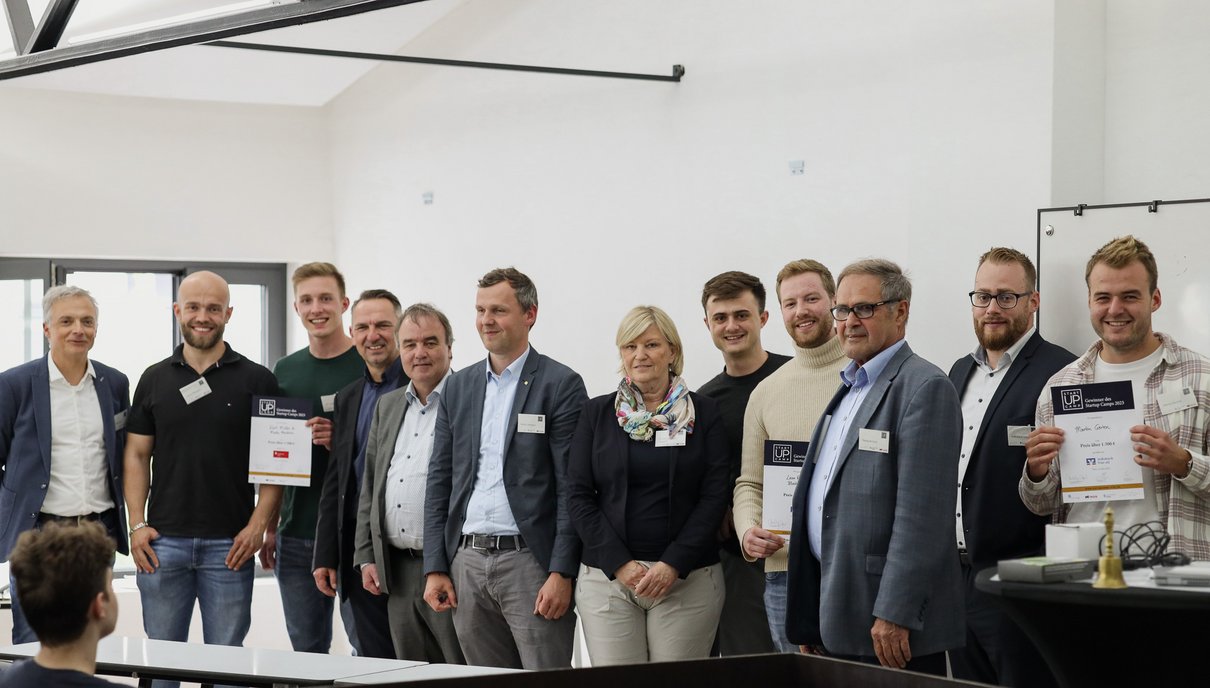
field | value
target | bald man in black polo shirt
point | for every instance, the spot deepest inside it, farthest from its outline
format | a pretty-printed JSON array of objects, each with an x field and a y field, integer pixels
[{"x": 191, "y": 420}]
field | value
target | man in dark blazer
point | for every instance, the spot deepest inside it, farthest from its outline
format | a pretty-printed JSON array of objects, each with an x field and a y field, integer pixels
[
  {"x": 390, "y": 512},
  {"x": 62, "y": 468},
  {"x": 375, "y": 316},
  {"x": 873, "y": 575},
  {"x": 499, "y": 547},
  {"x": 999, "y": 385}
]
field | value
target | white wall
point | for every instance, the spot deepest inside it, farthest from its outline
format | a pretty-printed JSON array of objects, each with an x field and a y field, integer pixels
[
  {"x": 1157, "y": 101},
  {"x": 925, "y": 129},
  {"x": 114, "y": 177}
]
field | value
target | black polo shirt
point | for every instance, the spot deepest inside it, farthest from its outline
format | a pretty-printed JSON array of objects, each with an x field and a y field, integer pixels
[{"x": 199, "y": 464}]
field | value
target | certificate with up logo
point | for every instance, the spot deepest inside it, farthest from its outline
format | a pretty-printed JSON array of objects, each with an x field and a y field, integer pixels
[
  {"x": 279, "y": 452},
  {"x": 783, "y": 464},
  {"x": 1096, "y": 460}
]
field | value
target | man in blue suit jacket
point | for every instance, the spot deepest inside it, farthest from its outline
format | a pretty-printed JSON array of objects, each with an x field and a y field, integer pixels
[
  {"x": 62, "y": 433},
  {"x": 498, "y": 542},
  {"x": 873, "y": 574}
]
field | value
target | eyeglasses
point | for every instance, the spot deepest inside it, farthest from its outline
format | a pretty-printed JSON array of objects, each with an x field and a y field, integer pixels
[
  {"x": 861, "y": 310},
  {"x": 1007, "y": 300}
]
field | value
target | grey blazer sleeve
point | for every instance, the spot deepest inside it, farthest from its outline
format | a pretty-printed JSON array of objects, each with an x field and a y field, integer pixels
[
  {"x": 930, "y": 438},
  {"x": 569, "y": 401},
  {"x": 437, "y": 492}
]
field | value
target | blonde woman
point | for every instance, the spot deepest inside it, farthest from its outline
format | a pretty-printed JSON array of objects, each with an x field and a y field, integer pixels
[{"x": 649, "y": 484}]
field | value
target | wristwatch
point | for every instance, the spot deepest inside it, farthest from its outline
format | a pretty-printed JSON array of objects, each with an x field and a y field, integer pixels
[{"x": 140, "y": 524}]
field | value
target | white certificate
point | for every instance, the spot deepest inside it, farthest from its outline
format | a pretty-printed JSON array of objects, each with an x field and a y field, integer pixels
[
  {"x": 1097, "y": 456},
  {"x": 280, "y": 450},
  {"x": 783, "y": 464}
]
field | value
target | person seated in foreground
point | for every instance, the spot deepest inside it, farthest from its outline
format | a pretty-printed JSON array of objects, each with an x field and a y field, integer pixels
[{"x": 64, "y": 581}]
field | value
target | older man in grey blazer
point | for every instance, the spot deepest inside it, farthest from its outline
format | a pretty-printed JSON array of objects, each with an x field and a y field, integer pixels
[
  {"x": 876, "y": 577},
  {"x": 389, "y": 544},
  {"x": 499, "y": 547}
]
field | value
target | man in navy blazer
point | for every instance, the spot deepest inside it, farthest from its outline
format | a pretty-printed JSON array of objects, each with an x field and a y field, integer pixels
[
  {"x": 999, "y": 385},
  {"x": 873, "y": 574},
  {"x": 62, "y": 433},
  {"x": 499, "y": 547}
]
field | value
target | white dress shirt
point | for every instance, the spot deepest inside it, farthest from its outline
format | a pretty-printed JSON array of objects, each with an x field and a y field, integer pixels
[
  {"x": 79, "y": 482},
  {"x": 409, "y": 469},
  {"x": 859, "y": 380},
  {"x": 980, "y": 389},
  {"x": 488, "y": 511}
]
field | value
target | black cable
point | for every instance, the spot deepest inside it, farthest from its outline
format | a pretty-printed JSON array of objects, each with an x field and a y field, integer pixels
[{"x": 1144, "y": 545}]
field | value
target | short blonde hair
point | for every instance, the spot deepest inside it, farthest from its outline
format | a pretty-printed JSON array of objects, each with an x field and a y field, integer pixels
[
  {"x": 639, "y": 319},
  {"x": 1120, "y": 253}
]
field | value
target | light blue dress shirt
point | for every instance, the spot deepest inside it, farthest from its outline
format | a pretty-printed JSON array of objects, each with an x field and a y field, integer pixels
[
  {"x": 859, "y": 381},
  {"x": 488, "y": 511}
]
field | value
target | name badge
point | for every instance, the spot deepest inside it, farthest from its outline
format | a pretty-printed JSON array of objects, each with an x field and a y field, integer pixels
[
  {"x": 328, "y": 402},
  {"x": 874, "y": 440},
  {"x": 1017, "y": 434},
  {"x": 663, "y": 440},
  {"x": 534, "y": 423},
  {"x": 1175, "y": 399},
  {"x": 119, "y": 420},
  {"x": 195, "y": 390}
]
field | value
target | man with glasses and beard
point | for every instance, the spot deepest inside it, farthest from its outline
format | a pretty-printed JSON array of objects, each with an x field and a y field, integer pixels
[
  {"x": 191, "y": 419},
  {"x": 999, "y": 384}
]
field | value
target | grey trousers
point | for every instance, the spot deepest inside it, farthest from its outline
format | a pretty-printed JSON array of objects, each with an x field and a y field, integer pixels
[
  {"x": 623, "y": 628},
  {"x": 418, "y": 632},
  {"x": 495, "y": 617}
]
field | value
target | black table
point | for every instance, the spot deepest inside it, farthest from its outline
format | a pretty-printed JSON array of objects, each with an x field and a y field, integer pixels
[{"x": 1139, "y": 636}]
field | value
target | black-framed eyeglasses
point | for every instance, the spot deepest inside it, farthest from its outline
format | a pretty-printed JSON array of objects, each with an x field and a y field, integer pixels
[
  {"x": 861, "y": 310},
  {"x": 1006, "y": 300}
]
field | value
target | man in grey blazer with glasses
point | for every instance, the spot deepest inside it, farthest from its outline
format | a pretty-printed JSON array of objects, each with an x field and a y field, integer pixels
[
  {"x": 875, "y": 577},
  {"x": 499, "y": 547}
]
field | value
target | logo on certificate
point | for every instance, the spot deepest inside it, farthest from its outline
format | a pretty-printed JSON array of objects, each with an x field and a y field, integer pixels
[
  {"x": 268, "y": 407},
  {"x": 281, "y": 454},
  {"x": 783, "y": 453},
  {"x": 1073, "y": 400}
]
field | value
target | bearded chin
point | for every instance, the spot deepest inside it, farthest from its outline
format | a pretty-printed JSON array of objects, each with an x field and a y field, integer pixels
[{"x": 996, "y": 342}]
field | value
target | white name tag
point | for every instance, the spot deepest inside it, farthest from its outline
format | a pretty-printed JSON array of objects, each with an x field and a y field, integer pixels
[
  {"x": 1017, "y": 434},
  {"x": 1175, "y": 399},
  {"x": 874, "y": 440},
  {"x": 663, "y": 440},
  {"x": 119, "y": 420},
  {"x": 195, "y": 390},
  {"x": 532, "y": 423},
  {"x": 328, "y": 402}
]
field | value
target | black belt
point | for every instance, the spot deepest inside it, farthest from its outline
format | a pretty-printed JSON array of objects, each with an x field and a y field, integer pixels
[
  {"x": 963, "y": 557},
  {"x": 405, "y": 551},
  {"x": 493, "y": 543},
  {"x": 44, "y": 517}
]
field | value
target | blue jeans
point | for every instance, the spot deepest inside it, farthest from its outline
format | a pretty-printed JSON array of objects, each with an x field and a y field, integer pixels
[
  {"x": 22, "y": 633},
  {"x": 775, "y": 607},
  {"x": 308, "y": 611},
  {"x": 195, "y": 569}
]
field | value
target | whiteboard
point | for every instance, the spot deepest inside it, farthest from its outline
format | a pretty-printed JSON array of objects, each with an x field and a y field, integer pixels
[{"x": 1177, "y": 232}]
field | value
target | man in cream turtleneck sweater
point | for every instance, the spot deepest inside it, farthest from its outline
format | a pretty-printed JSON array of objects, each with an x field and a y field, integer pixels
[{"x": 785, "y": 406}]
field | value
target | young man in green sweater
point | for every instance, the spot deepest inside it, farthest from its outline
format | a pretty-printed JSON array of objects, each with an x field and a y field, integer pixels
[
  {"x": 786, "y": 406},
  {"x": 326, "y": 365}
]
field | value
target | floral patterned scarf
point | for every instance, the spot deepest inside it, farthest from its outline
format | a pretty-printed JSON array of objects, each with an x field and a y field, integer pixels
[{"x": 675, "y": 413}]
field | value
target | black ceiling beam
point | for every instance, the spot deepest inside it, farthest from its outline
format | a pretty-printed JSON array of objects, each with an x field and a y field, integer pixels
[
  {"x": 48, "y": 32},
  {"x": 207, "y": 30},
  {"x": 677, "y": 70}
]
